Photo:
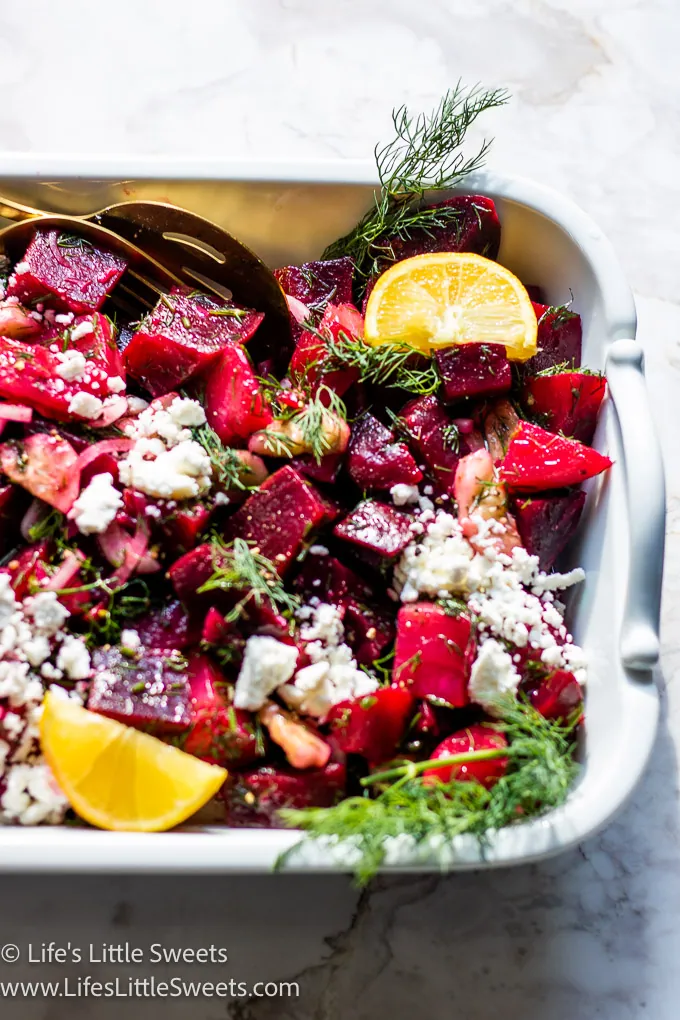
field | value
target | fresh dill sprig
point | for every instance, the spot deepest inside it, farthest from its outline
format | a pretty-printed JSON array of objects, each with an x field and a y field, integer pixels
[
  {"x": 309, "y": 428},
  {"x": 451, "y": 437},
  {"x": 229, "y": 470},
  {"x": 540, "y": 773},
  {"x": 564, "y": 367},
  {"x": 396, "y": 366},
  {"x": 425, "y": 155},
  {"x": 51, "y": 525},
  {"x": 239, "y": 568}
]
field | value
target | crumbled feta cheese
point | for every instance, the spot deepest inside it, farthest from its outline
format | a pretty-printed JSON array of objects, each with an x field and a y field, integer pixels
[
  {"x": 267, "y": 664},
  {"x": 130, "y": 639},
  {"x": 318, "y": 550},
  {"x": 83, "y": 328},
  {"x": 74, "y": 658},
  {"x": 72, "y": 364},
  {"x": 85, "y": 405},
  {"x": 171, "y": 424},
  {"x": 221, "y": 499},
  {"x": 436, "y": 565},
  {"x": 21, "y": 268},
  {"x": 8, "y": 602},
  {"x": 37, "y": 649},
  {"x": 333, "y": 675},
  {"x": 136, "y": 405},
  {"x": 184, "y": 411},
  {"x": 182, "y": 472},
  {"x": 47, "y": 612},
  {"x": 493, "y": 678},
  {"x": 96, "y": 506},
  {"x": 32, "y": 796},
  {"x": 115, "y": 384},
  {"x": 402, "y": 494},
  {"x": 64, "y": 318}
]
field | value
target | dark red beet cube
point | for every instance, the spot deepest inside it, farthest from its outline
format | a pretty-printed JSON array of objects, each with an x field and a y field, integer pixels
[
  {"x": 318, "y": 283},
  {"x": 568, "y": 402},
  {"x": 68, "y": 274},
  {"x": 474, "y": 227},
  {"x": 537, "y": 459},
  {"x": 147, "y": 693},
  {"x": 233, "y": 402},
  {"x": 218, "y": 733},
  {"x": 324, "y": 575},
  {"x": 280, "y": 516},
  {"x": 546, "y": 523},
  {"x": 325, "y": 471},
  {"x": 474, "y": 370},
  {"x": 13, "y": 503},
  {"x": 558, "y": 696},
  {"x": 168, "y": 627},
  {"x": 255, "y": 798},
  {"x": 182, "y": 336},
  {"x": 183, "y": 526},
  {"x": 377, "y": 527},
  {"x": 191, "y": 571},
  {"x": 375, "y": 460},
  {"x": 433, "y": 653},
  {"x": 437, "y": 443},
  {"x": 559, "y": 339},
  {"x": 478, "y": 737},
  {"x": 372, "y": 726},
  {"x": 369, "y": 630}
]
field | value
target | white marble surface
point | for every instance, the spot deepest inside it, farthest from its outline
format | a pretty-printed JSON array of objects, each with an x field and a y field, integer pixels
[{"x": 595, "y": 933}]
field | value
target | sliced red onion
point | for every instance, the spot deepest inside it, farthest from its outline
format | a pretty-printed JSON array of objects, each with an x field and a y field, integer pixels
[
  {"x": 15, "y": 412},
  {"x": 298, "y": 309},
  {"x": 67, "y": 570},
  {"x": 110, "y": 413},
  {"x": 91, "y": 453}
]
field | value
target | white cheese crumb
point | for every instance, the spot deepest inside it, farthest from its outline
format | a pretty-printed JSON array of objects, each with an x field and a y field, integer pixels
[
  {"x": 493, "y": 678},
  {"x": 267, "y": 664},
  {"x": 83, "y": 328},
  {"x": 21, "y": 268},
  {"x": 136, "y": 405},
  {"x": 72, "y": 364},
  {"x": 221, "y": 499},
  {"x": 32, "y": 796},
  {"x": 47, "y": 612},
  {"x": 116, "y": 384},
  {"x": 85, "y": 405},
  {"x": 74, "y": 658},
  {"x": 96, "y": 506},
  {"x": 130, "y": 639},
  {"x": 402, "y": 494},
  {"x": 182, "y": 472}
]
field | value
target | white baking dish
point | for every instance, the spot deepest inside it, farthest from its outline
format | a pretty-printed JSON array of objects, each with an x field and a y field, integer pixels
[{"x": 288, "y": 213}]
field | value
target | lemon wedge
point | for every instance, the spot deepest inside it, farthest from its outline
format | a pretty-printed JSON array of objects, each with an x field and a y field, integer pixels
[
  {"x": 116, "y": 777},
  {"x": 446, "y": 298}
]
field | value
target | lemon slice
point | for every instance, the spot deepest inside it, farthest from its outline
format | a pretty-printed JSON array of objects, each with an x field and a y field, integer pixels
[
  {"x": 447, "y": 298},
  {"x": 116, "y": 777}
]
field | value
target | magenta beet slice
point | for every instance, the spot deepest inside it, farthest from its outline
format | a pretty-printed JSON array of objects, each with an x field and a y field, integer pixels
[
  {"x": 327, "y": 578},
  {"x": 191, "y": 571},
  {"x": 568, "y": 402},
  {"x": 280, "y": 516},
  {"x": 218, "y": 733},
  {"x": 375, "y": 460},
  {"x": 147, "y": 693},
  {"x": 66, "y": 273},
  {"x": 437, "y": 445},
  {"x": 318, "y": 283},
  {"x": 182, "y": 336},
  {"x": 183, "y": 526},
  {"x": 254, "y": 798},
  {"x": 433, "y": 653},
  {"x": 234, "y": 405},
  {"x": 168, "y": 627},
  {"x": 326, "y": 471},
  {"x": 537, "y": 459},
  {"x": 377, "y": 527},
  {"x": 473, "y": 370},
  {"x": 13, "y": 503},
  {"x": 478, "y": 737},
  {"x": 546, "y": 523},
  {"x": 369, "y": 630},
  {"x": 559, "y": 339},
  {"x": 372, "y": 726},
  {"x": 475, "y": 228},
  {"x": 29, "y": 568}
]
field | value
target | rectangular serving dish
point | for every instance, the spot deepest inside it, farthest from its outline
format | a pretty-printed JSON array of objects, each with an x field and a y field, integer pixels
[{"x": 288, "y": 213}]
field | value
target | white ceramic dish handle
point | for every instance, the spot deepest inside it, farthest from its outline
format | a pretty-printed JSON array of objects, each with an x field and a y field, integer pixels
[{"x": 645, "y": 490}]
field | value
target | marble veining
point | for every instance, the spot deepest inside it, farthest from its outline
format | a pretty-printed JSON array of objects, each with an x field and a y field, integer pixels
[{"x": 594, "y": 934}]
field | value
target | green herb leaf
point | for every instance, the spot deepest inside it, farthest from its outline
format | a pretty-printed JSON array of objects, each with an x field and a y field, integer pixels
[
  {"x": 396, "y": 366},
  {"x": 239, "y": 568}
]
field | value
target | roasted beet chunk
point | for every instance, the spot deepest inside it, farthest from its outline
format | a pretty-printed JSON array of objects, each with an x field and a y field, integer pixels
[
  {"x": 279, "y": 516},
  {"x": 474, "y": 370},
  {"x": 66, "y": 272},
  {"x": 558, "y": 341},
  {"x": 433, "y": 653},
  {"x": 167, "y": 627},
  {"x": 537, "y": 459},
  {"x": 233, "y": 403},
  {"x": 45, "y": 465},
  {"x": 558, "y": 696},
  {"x": 546, "y": 523},
  {"x": 368, "y": 630},
  {"x": 377, "y": 527},
  {"x": 324, "y": 575},
  {"x": 568, "y": 402},
  {"x": 313, "y": 350},
  {"x": 150, "y": 692},
  {"x": 315, "y": 284},
  {"x": 182, "y": 336},
  {"x": 219, "y": 733},
  {"x": 255, "y": 798},
  {"x": 372, "y": 726},
  {"x": 435, "y": 438},
  {"x": 375, "y": 460},
  {"x": 479, "y": 737},
  {"x": 468, "y": 223},
  {"x": 191, "y": 571}
]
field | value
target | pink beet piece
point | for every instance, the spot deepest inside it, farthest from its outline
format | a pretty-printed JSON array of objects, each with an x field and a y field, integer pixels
[
  {"x": 318, "y": 283},
  {"x": 369, "y": 630},
  {"x": 433, "y": 653},
  {"x": 191, "y": 571},
  {"x": 65, "y": 272},
  {"x": 29, "y": 568},
  {"x": 168, "y": 627},
  {"x": 147, "y": 693},
  {"x": 436, "y": 442},
  {"x": 538, "y": 459},
  {"x": 568, "y": 402},
  {"x": 377, "y": 527},
  {"x": 375, "y": 460},
  {"x": 182, "y": 336},
  {"x": 473, "y": 370},
  {"x": 559, "y": 339},
  {"x": 478, "y": 737},
  {"x": 280, "y": 516},
  {"x": 234, "y": 405},
  {"x": 559, "y": 696},
  {"x": 372, "y": 726},
  {"x": 546, "y": 523},
  {"x": 325, "y": 471},
  {"x": 218, "y": 733},
  {"x": 45, "y": 465},
  {"x": 475, "y": 227},
  {"x": 255, "y": 798}
]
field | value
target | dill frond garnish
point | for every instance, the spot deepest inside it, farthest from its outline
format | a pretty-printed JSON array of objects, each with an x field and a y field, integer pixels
[
  {"x": 425, "y": 155},
  {"x": 396, "y": 366},
  {"x": 240, "y": 569},
  {"x": 540, "y": 774},
  {"x": 451, "y": 437},
  {"x": 229, "y": 469},
  {"x": 309, "y": 429},
  {"x": 51, "y": 525}
]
